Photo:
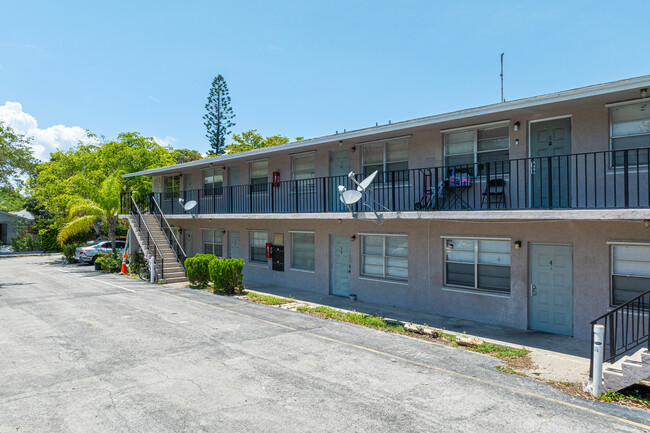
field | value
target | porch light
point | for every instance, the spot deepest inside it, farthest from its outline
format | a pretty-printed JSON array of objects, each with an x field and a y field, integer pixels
[
  {"x": 517, "y": 125},
  {"x": 644, "y": 93},
  {"x": 517, "y": 245},
  {"x": 353, "y": 237}
]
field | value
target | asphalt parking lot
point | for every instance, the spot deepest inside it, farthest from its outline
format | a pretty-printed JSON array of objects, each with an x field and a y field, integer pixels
[{"x": 84, "y": 352}]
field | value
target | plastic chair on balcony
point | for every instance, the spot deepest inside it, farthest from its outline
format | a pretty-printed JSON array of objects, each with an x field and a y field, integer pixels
[{"x": 495, "y": 194}]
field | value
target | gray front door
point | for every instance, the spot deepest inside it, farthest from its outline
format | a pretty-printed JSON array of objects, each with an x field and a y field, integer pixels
[
  {"x": 551, "y": 288},
  {"x": 339, "y": 169},
  {"x": 234, "y": 189},
  {"x": 550, "y": 145},
  {"x": 233, "y": 245},
  {"x": 340, "y": 265},
  {"x": 188, "y": 240}
]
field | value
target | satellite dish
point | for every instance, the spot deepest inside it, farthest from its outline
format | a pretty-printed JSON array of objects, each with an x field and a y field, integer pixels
[
  {"x": 350, "y": 197},
  {"x": 364, "y": 183},
  {"x": 187, "y": 206}
]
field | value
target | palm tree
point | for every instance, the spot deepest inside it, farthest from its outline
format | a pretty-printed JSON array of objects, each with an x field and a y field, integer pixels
[{"x": 104, "y": 206}]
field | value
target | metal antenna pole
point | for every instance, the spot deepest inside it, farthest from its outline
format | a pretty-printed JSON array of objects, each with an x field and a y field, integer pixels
[{"x": 502, "y": 100}]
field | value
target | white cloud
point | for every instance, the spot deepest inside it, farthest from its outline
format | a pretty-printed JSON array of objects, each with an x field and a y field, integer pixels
[
  {"x": 153, "y": 99},
  {"x": 44, "y": 141},
  {"x": 167, "y": 141}
]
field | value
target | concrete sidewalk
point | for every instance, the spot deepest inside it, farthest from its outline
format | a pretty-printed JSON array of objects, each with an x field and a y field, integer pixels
[{"x": 556, "y": 357}]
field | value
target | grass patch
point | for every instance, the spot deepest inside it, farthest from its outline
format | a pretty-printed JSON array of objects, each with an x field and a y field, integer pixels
[
  {"x": 509, "y": 370},
  {"x": 374, "y": 322},
  {"x": 636, "y": 395},
  {"x": 267, "y": 299},
  {"x": 498, "y": 351}
]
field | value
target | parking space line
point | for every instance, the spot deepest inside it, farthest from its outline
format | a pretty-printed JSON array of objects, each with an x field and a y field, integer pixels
[
  {"x": 99, "y": 281},
  {"x": 419, "y": 364}
]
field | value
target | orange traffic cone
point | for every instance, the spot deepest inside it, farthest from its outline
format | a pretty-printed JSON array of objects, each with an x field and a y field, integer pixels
[{"x": 123, "y": 270}]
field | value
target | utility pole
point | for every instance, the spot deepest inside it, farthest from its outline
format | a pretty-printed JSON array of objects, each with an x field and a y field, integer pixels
[{"x": 502, "y": 100}]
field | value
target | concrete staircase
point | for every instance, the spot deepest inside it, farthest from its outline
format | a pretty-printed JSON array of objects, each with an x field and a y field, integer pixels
[
  {"x": 173, "y": 271},
  {"x": 627, "y": 371}
]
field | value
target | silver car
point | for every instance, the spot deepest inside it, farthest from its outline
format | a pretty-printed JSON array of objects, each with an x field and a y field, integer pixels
[{"x": 88, "y": 254}]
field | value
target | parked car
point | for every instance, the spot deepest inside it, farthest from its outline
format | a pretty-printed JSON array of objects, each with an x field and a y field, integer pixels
[{"x": 88, "y": 254}]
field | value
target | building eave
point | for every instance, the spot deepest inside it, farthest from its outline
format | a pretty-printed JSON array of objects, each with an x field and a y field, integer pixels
[{"x": 534, "y": 101}]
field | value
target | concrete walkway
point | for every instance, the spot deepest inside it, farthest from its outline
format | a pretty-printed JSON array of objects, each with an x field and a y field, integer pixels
[{"x": 556, "y": 357}]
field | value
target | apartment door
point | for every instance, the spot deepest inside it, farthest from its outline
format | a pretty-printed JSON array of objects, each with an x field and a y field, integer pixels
[
  {"x": 233, "y": 245},
  {"x": 339, "y": 169},
  {"x": 188, "y": 245},
  {"x": 340, "y": 265},
  {"x": 551, "y": 288},
  {"x": 233, "y": 188},
  {"x": 188, "y": 192},
  {"x": 550, "y": 145}
]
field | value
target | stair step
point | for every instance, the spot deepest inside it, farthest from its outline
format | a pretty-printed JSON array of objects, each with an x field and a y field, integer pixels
[{"x": 176, "y": 280}]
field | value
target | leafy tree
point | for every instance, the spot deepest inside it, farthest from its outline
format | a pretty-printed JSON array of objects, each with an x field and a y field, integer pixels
[
  {"x": 104, "y": 206},
  {"x": 181, "y": 156},
  {"x": 219, "y": 115},
  {"x": 16, "y": 160},
  {"x": 10, "y": 200},
  {"x": 250, "y": 140}
]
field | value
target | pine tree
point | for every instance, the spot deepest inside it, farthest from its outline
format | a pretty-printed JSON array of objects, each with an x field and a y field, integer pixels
[{"x": 219, "y": 115}]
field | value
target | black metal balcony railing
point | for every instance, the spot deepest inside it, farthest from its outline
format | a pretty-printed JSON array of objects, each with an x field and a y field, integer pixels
[
  {"x": 627, "y": 327},
  {"x": 594, "y": 180}
]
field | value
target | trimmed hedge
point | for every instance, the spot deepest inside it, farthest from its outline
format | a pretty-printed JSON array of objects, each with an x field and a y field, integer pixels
[
  {"x": 197, "y": 269},
  {"x": 227, "y": 274}
]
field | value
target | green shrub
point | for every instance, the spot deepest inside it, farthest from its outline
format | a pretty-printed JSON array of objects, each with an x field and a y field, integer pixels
[
  {"x": 109, "y": 262},
  {"x": 227, "y": 274},
  {"x": 26, "y": 242},
  {"x": 197, "y": 269},
  {"x": 68, "y": 252},
  {"x": 136, "y": 262}
]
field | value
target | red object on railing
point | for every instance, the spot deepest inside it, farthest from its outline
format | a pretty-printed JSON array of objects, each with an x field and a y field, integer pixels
[
  {"x": 269, "y": 250},
  {"x": 276, "y": 179}
]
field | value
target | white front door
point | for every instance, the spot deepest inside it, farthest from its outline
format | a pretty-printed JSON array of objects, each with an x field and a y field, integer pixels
[{"x": 340, "y": 265}]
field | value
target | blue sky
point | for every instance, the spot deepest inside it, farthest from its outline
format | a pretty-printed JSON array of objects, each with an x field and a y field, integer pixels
[{"x": 297, "y": 68}]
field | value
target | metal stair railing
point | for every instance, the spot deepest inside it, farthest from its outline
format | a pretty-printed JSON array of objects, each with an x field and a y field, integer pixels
[
  {"x": 139, "y": 219},
  {"x": 167, "y": 230},
  {"x": 626, "y": 328}
]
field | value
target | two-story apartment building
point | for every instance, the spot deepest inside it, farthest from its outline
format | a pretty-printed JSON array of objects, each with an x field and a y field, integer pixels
[{"x": 531, "y": 213}]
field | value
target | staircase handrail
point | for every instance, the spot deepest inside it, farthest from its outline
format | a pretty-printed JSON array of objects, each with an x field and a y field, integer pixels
[
  {"x": 149, "y": 237},
  {"x": 176, "y": 243},
  {"x": 634, "y": 328}
]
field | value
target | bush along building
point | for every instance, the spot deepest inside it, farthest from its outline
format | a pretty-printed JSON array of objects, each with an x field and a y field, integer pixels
[{"x": 531, "y": 213}]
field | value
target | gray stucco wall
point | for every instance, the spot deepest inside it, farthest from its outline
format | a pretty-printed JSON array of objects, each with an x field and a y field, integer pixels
[{"x": 425, "y": 290}]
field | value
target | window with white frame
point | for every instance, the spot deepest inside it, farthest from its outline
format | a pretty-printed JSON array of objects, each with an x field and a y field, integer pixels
[
  {"x": 390, "y": 158},
  {"x": 172, "y": 187},
  {"x": 385, "y": 256},
  {"x": 485, "y": 148},
  {"x": 213, "y": 181},
  {"x": 481, "y": 264},
  {"x": 630, "y": 129},
  {"x": 213, "y": 242},
  {"x": 257, "y": 242},
  {"x": 630, "y": 271},
  {"x": 302, "y": 250},
  {"x": 259, "y": 176},
  {"x": 303, "y": 171}
]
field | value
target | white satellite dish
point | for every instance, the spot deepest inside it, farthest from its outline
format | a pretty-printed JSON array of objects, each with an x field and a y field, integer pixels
[
  {"x": 187, "y": 206},
  {"x": 350, "y": 197},
  {"x": 364, "y": 183}
]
